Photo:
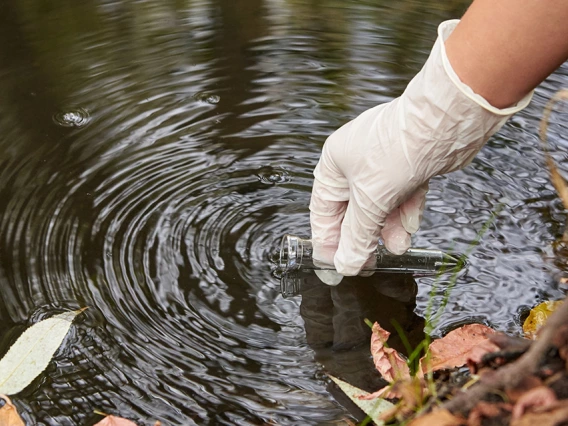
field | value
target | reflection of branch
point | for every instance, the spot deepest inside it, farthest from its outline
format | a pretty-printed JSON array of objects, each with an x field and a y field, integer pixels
[
  {"x": 557, "y": 180},
  {"x": 511, "y": 375}
]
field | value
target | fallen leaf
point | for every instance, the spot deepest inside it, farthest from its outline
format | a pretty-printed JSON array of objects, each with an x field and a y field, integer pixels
[
  {"x": 8, "y": 414},
  {"x": 469, "y": 342},
  {"x": 541, "y": 396},
  {"x": 522, "y": 387},
  {"x": 115, "y": 421},
  {"x": 438, "y": 418},
  {"x": 560, "y": 341},
  {"x": 389, "y": 392},
  {"x": 489, "y": 413},
  {"x": 32, "y": 352},
  {"x": 552, "y": 416},
  {"x": 388, "y": 361},
  {"x": 413, "y": 392},
  {"x": 538, "y": 316},
  {"x": 373, "y": 408}
]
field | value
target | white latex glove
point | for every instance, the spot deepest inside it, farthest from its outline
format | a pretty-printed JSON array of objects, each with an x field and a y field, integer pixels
[{"x": 372, "y": 177}]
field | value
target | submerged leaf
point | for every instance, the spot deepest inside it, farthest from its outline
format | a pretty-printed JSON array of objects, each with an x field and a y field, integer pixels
[
  {"x": 32, "y": 352},
  {"x": 538, "y": 316},
  {"x": 469, "y": 342},
  {"x": 115, "y": 421},
  {"x": 373, "y": 408},
  {"x": 387, "y": 360},
  {"x": 8, "y": 414}
]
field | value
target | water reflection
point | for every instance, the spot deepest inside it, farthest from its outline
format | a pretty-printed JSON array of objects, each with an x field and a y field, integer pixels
[
  {"x": 334, "y": 319},
  {"x": 205, "y": 121}
]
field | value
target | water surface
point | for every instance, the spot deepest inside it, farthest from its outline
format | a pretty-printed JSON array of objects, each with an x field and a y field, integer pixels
[{"x": 153, "y": 153}]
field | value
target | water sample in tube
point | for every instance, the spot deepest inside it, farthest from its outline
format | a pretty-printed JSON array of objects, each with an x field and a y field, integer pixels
[{"x": 296, "y": 254}]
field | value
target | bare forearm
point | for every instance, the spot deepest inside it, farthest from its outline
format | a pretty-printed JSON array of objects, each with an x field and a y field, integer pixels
[{"x": 503, "y": 49}]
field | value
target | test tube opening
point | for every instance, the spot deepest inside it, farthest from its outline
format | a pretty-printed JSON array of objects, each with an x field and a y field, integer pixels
[
  {"x": 289, "y": 253},
  {"x": 284, "y": 256}
]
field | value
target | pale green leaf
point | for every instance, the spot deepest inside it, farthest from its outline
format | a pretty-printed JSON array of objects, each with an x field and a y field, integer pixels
[
  {"x": 32, "y": 352},
  {"x": 373, "y": 408}
]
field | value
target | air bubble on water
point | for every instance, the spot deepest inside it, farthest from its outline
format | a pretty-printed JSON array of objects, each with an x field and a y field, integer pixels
[
  {"x": 213, "y": 99},
  {"x": 271, "y": 175},
  {"x": 75, "y": 117},
  {"x": 207, "y": 97}
]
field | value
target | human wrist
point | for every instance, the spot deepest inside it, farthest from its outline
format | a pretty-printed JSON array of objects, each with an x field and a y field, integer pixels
[{"x": 445, "y": 29}]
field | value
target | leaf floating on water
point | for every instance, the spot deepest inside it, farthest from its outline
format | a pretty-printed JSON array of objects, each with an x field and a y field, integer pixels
[
  {"x": 32, "y": 352},
  {"x": 115, "y": 421},
  {"x": 8, "y": 413},
  {"x": 469, "y": 342},
  {"x": 373, "y": 408},
  {"x": 538, "y": 316},
  {"x": 387, "y": 361}
]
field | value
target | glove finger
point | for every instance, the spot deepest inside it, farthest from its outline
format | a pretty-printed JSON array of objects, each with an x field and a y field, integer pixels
[
  {"x": 360, "y": 232},
  {"x": 395, "y": 236},
  {"x": 412, "y": 209},
  {"x": 329, "y": 277},
  {"x": 327, "y": 208}
]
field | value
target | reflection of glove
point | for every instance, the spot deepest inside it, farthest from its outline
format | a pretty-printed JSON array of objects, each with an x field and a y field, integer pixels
[{"x": 372, "y": 177}]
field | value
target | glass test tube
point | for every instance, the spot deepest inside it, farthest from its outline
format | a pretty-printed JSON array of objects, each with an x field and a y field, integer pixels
[{"x": 296, "y": 254}]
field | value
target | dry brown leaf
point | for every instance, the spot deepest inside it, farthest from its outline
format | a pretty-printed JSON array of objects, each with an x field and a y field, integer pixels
[
  {"x": 552, "y": 416},
  {"x": 560, "y": 340},
  {"x": 388, "y": 392},
  {"x": 115, "y": 421},
  {"x": 413, "y": 392},
  {"x": 9, "y": 414},
  {"x": 541, "y": 396},
  {"x": 522, "y": 387},
  {"x": 487, "y": 413},
  {"x": 438, "y": 418},
  {"x": 457, "y": 347},
  {"x": 387, "y": 360}
]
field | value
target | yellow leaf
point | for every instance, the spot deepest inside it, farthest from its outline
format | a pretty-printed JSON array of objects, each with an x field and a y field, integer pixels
[{"x": 538, "y": 316}]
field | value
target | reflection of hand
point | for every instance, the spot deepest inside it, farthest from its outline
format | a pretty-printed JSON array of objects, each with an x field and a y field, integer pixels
[
  {"x": 334, "y": 319},
  {"x": 373, "y": 173}
]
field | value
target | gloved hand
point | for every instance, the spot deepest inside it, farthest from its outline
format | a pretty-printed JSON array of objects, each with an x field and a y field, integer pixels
[{"x": 372, "y": 177}]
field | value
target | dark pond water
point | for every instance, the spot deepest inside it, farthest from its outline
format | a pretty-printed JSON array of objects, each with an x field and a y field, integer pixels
[{"x": 152, "y": 153}]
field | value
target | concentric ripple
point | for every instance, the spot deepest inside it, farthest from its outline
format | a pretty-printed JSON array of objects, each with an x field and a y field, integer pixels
[{"x": 159, "y": 204}]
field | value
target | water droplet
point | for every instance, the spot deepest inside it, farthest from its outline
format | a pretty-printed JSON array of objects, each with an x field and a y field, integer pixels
[{"x": 77, "y": 117}]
